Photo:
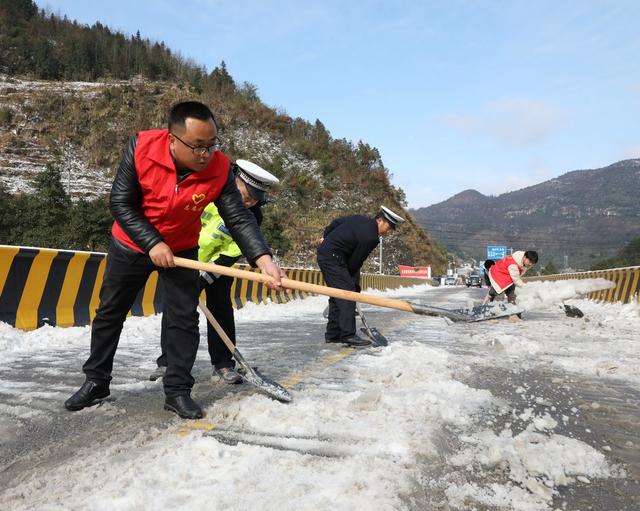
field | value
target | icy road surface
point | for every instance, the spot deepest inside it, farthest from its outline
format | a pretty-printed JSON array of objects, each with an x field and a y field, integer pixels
[{"x": 532, "y": 416}]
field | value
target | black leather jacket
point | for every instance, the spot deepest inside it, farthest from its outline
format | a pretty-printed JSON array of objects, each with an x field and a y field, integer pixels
[{"x": 126, "y": 200}]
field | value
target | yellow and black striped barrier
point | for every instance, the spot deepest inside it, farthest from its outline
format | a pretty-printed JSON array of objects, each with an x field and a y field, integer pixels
[
  {"x": 41, "y": 286},
  {"x": 627, "y": 281},
  {"x": 243, "y": 291}
]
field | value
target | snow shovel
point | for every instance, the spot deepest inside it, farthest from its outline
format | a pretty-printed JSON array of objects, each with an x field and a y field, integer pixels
[
  {"x": 250, "y": 375},
  {"x": 376, "y": 337},
  {"x": 372, "y": 332},
  {"x": 381, "y": 301}
]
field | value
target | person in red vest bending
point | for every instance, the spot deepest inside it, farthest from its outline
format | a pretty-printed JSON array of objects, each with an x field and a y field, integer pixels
[{"x": 507, "y": 273}]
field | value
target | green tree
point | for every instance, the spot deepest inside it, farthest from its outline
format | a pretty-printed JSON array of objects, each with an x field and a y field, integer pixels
[
  {"x": 89, "y": 225},
  {"x": 220, "y": 82},
  {"x": 549, "y": 269},
  {"x": 629, "y": 255},
  {"x": 45, "y": 214},
  {"x": 273, "y": 226},
  {"x": 7, "y": 216}
]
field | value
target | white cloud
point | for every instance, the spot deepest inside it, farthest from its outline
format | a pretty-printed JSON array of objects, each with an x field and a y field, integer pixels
[
  {"x": 521, "y": 121},
  {"x": 511, "y": 122}
]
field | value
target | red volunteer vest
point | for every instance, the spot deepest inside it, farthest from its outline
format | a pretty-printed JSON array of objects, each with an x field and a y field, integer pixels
[
  {"x": 173, "y": 209},
  {"x": 499, "y": 272}
]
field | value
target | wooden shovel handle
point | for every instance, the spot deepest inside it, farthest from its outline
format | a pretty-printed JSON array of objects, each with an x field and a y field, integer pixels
[
  {"x": 333, "y": 292},
  {"x": 217, "y": 327}
]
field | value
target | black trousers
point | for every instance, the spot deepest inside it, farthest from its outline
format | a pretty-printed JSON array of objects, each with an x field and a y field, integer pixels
[
  {"x": 342, "y": 313},
  {"x": 510, "y": 293},
  {"x": 218, "y": 296},
  {"x": 126, "y": 274}
]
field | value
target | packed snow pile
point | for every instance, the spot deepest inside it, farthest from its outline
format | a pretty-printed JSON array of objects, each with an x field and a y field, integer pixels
[
  {"x": 538, "y": 295},
  {"x": 357, "y": 435},
  {"x": 535, "y": 459}
]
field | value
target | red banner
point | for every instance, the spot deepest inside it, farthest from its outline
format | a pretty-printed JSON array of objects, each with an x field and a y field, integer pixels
[{"x": 415, "y": 271}]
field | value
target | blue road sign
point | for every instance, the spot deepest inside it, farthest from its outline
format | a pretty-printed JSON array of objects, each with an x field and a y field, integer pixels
[{"x": 496, "y": 252}]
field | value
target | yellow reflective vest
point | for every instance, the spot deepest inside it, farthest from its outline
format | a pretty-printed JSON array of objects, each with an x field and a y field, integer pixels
[{"x": 215, "y": 239}]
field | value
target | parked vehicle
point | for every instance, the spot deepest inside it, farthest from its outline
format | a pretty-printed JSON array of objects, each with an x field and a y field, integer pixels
[
  {"x": 450, "y": 281},
  {"x": 474, "y": 280}
]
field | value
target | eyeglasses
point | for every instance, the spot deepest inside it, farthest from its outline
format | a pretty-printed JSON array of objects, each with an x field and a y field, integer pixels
[{"x": 200, "y": 150}]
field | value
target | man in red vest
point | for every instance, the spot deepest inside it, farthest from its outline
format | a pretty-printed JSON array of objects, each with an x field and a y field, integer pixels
[
  {"x": 165, "y": 180},
  {"x": 507, "y": 273}
]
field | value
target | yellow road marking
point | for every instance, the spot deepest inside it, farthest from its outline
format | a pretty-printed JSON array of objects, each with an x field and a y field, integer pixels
[{"x": 203, "y": 425}]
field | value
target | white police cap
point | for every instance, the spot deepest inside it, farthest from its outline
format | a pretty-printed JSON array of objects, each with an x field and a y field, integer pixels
[
  {"x": 257, "y": 179},
  {"x": 391, "y": 217}
]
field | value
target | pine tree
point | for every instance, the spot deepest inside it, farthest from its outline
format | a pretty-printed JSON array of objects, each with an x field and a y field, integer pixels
[
  {"x": 220, "y": 81},
  {"x": 89, "y": 225},
  {"x": 45, "y": 214}
]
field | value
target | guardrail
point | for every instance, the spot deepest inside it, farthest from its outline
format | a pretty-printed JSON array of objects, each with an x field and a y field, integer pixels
[
  {"x": 627, "y": 281},
  {"x": 42, "y": 286}
]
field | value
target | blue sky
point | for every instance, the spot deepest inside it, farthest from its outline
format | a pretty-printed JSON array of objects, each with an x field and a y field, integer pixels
[{"x": 489, "y": 95}]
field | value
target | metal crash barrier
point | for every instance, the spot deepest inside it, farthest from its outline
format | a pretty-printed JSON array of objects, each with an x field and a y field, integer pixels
[
  {"x": 627, "y": 281},
  {"x": 41, "y": 286}
]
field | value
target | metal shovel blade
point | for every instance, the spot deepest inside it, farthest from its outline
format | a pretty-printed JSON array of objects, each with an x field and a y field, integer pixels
[
  {"x": 469, "y": 315},
  {"x": 490, "y": 311},
  {"x": 429, "y": 310},
  {"x": 255, "y": 378}
]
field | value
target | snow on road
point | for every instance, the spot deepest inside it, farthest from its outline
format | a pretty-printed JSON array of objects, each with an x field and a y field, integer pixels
[{"x": 373, "y": 430}]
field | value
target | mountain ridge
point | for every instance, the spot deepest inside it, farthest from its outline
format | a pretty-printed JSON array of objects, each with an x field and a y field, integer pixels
[{"x": 583, "y": 214}]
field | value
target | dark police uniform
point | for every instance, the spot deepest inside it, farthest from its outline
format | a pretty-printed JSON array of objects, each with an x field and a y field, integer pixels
[{"x": 348, "y": 241}]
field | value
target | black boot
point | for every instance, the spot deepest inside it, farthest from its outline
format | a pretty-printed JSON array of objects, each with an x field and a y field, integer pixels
[
  {"x": 184, "y": 406},
  {"x": 90, "y": 393},
  {"x": 355, "y": 340}
]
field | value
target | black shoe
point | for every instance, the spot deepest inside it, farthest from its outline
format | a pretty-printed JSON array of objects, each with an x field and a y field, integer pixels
[
  {"x": 184, "y": 406},
  {"x": 90, "y": 393},
  {"x": 333, "y": 340},
  {"x": 356, "y": 340}
]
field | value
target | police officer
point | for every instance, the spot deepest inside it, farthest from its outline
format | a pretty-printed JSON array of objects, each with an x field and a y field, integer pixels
[
  {"x": 346, "y": 243},
  {"x": 216, "y": 245}
]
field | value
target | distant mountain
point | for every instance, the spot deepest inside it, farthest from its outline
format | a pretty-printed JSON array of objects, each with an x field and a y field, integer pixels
[{"x": 585, "y": 215}]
